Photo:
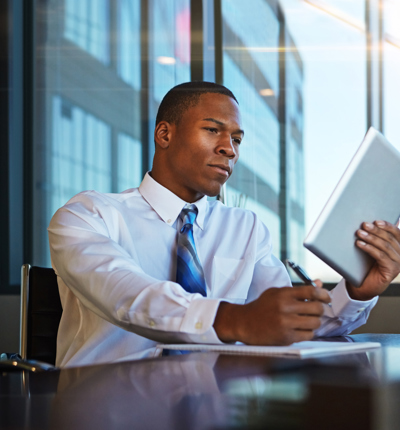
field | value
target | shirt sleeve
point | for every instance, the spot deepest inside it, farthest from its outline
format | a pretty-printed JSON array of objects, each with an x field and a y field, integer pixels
[
  {"x": 345, "y": 314},
  {"x": 109, "y": 282}
]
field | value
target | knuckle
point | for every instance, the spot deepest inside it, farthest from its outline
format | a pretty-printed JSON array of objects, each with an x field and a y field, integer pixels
[
  {"x": 281, "y": 321},
  {"x": 382, "y": 255},
  {"x": 281, "y": 307},
  {"x": 318, "y": 295}
]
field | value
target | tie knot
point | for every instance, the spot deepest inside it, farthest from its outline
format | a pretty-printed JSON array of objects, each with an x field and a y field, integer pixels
[{"x": 188, "y": 215}]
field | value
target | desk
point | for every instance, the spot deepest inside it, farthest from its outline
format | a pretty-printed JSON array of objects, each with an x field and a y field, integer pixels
[{"x": 213, "y": 391}]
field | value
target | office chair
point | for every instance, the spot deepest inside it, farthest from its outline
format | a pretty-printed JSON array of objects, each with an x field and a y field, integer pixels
[{"x": 40, "y": 314}]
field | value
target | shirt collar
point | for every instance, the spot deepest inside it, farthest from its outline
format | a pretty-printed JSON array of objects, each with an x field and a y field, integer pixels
[{"x": 167, "y": 204}]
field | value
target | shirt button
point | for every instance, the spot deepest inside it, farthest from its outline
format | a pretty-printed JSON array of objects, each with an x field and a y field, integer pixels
[
  {"x": 169, "y": 221},
  {"x": 152, "y": 323},
  {"x": 198, "y": 325}
]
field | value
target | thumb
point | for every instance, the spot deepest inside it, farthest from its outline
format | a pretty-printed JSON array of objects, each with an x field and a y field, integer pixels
[{"x": 318, "y": 283}]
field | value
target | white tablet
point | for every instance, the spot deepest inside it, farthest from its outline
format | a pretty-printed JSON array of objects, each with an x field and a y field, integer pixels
[{"x": 369, "y": 190}]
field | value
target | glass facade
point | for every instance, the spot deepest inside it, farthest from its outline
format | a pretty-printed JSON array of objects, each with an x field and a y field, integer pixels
[
  {"x": 263, "y": 66},
  {"x": 391, "y": 67},
  {"x": 169, "y": 55},
  {"x": 89, "y": 105},
  {"x": 80, "y": 153},
  {"x": 292, "y": 155},
  {"x": 170, "y": 45},
  {"x": 86, "y": 24},
  {"x": 250, "y": 73},
  {"x": 310, "y": 76}
]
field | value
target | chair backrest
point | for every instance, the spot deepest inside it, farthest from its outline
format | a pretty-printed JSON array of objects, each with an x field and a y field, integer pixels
[{"x": 40, "y": 313}]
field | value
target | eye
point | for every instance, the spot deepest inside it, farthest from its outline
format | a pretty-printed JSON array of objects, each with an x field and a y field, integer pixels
[
  {"x": 211, "y": 129},
  {"x": 237, "y": 140}
]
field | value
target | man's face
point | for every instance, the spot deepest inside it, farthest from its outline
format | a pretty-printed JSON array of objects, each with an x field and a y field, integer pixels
[{"x": 202, "y": 148}]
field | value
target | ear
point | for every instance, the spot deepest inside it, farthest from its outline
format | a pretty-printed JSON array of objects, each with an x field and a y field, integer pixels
[{"x": 162, "y": 134}]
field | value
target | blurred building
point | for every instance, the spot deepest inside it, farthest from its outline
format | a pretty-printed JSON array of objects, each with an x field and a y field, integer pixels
[{"x": 103, "y": 69}]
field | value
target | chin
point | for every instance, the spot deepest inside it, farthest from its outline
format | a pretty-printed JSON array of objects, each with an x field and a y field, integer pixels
[
  {"x": 213, "y": 192},
  {"x": 212, "y": 188}
]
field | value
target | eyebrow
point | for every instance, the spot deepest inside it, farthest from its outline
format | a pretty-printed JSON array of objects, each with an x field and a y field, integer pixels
[{"x": 221, "y": 123}]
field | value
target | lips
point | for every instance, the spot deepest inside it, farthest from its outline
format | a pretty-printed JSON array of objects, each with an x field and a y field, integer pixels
[{"x": 223, "y": 169}]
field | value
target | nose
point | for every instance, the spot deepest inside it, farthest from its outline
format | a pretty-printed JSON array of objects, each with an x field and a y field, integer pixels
[{"x": 226, "y": 148}]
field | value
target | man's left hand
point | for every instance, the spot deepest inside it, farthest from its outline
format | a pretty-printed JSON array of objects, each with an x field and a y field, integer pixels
[{"x": 381, "y": 240}]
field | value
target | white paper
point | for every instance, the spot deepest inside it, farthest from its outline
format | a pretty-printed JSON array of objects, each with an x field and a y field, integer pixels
[{"x": 299, "y": 349}]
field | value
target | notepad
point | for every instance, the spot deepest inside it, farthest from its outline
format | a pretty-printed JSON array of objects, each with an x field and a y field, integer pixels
[{"x": 304, "y": 349}]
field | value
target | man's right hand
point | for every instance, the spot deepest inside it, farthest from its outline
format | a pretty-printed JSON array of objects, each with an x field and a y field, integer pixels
[{"x": 280, "y": 316}]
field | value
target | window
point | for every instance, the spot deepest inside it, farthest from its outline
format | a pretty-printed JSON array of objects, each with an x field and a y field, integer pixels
[
  {"x": 310, "y": 75},
  {"x": 88, "y": 105},
  {"x": 86, "y": 23}
]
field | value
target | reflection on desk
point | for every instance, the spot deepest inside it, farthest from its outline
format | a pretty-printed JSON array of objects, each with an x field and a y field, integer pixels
[{"x": 212, "y": 391}]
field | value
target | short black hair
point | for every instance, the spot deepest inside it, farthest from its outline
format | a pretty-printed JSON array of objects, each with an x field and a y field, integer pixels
[{"x": 186, "y": 95}]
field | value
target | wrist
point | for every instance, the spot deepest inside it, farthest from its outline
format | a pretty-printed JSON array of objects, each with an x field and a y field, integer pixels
[
  {"x": 227, "y": 322},
  {"x": 357, "y": 293}
]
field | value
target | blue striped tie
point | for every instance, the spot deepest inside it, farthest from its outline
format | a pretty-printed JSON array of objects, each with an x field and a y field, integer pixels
[{"x": 189, "y": 273}]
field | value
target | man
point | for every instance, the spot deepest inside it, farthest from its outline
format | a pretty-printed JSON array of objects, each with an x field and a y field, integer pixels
[{"x": 117, "y": 256}]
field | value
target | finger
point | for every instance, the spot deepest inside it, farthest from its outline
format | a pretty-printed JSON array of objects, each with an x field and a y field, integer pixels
[
  {"x": 295, "y": 335},
  {"x": 302, "y": 335},
  {"x": 389, "y": 227},
  {"x": 390, "y": 266},
  {"x": 311, "y": 307},
  {"x": 308, "y": 292},
  {"x": 305, "y": 322},
  {"x": 291, "y": 336},
  {"x": 381, "y": 229},
  {"x": 318, "y": 283},
  {"x": 308, "y": 307},
  {"x": 377, "y": 247}
]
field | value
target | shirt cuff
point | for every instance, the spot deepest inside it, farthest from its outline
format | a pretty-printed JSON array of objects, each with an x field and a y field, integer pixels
[
  {"x": 199, "y": 319},
  {"x": 346, "y": 307}
]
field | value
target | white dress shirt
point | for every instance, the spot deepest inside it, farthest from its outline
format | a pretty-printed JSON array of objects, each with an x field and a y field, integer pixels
[{"x": 115, "y": 258}]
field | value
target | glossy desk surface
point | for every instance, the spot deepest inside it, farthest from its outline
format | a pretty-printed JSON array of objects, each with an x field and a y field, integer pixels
[{"x": 213, "y": 391}]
